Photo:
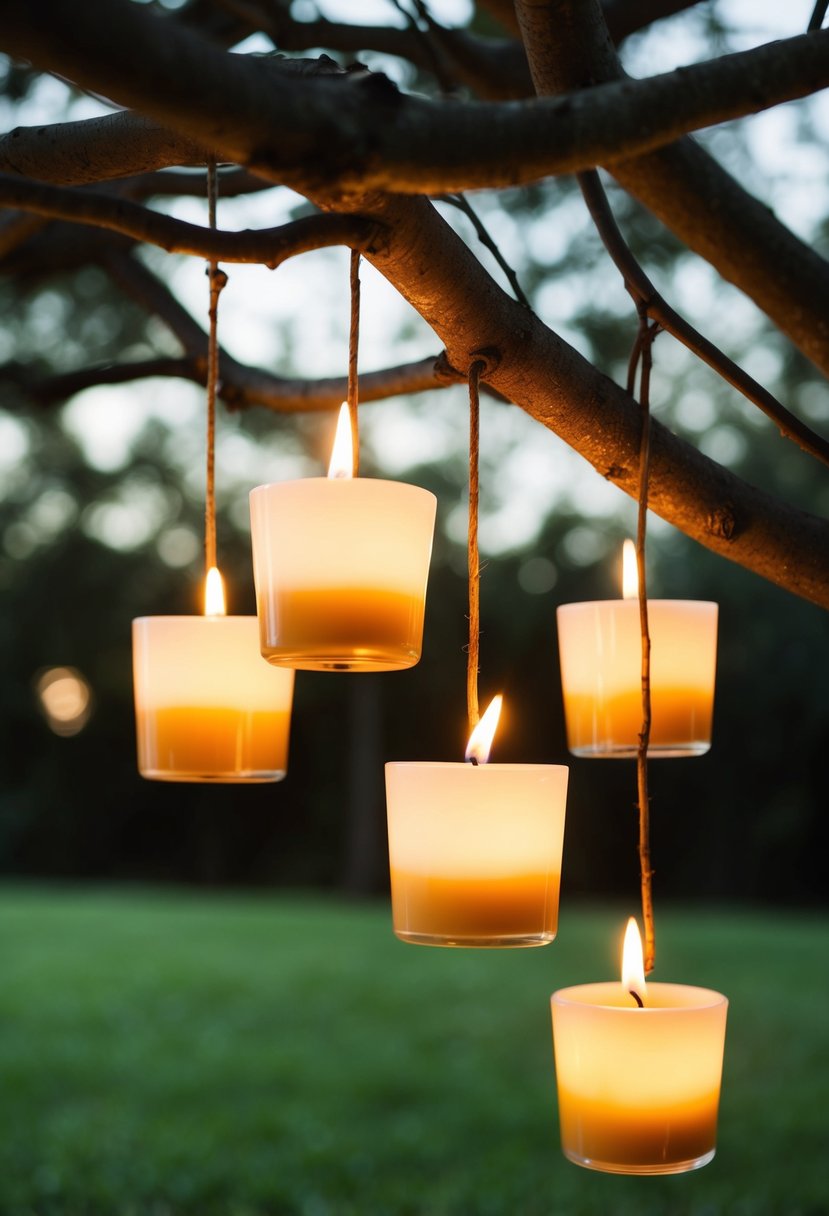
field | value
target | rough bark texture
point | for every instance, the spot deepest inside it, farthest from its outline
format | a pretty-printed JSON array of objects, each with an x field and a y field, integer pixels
[
  {"x": 356, "y": 132},
  {"x": 692, "y": 194}
]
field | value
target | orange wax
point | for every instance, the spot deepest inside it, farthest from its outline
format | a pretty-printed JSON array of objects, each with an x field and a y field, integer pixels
[
  {"x": 475, "y": 910},
  {"x": 212, "y": 744},
  {"x": 342, "y": 628},
  {"x": 628, "y": 1138},
  {"x": 680, "y": 721}
]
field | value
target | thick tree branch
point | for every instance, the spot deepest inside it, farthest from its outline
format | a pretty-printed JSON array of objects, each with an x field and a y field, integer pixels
[
  {"x": 531, "y": 366},
  {"x": 626, "y": 17},
  {"x": 269, "y": 246},
  {"x": 716, "y": 218},
  {"x": 71, "y": 153},
  {"x": 16, "y": 229},
  {"x": 432, "y": 268},
  {"x": 356, "y": 134},
  {"x": 682, "y": 185},
  {"x": 623, "y": 17},
  {"x": 643, "y": 290},
  {"x": 689, "y": 192},
  {"x": 233, "y": 183}
]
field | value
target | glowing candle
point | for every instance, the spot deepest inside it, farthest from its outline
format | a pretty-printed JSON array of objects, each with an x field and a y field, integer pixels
[
  {"x": 600, "y": 653},
  {"x": 340, "y": 566},
  {"x": 475, "y": 848},
  {"x": 638, "y": 1088},
  {"x": 207, "y": 706}
]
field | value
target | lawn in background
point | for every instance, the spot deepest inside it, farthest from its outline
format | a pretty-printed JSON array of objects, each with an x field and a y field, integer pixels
[{"x": 166, "y": 1054}]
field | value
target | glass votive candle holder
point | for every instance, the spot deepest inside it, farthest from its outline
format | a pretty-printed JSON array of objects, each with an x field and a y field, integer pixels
[
  {"x": 638, "y": 1088},
  {"x": 340, "y": 567},
  {"x": 601, "y": 668},
  {"x": 475, "y": 852},
  {"x": 207, "y": 705}
]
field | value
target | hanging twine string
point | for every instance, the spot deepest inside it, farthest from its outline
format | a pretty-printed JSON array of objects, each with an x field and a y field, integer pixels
[
  {"x": 473, "y": 557},
  {"x": 217, "y": 279},
  {"x": 353, "y": 344},
  {"x": 642, "y": 352}
]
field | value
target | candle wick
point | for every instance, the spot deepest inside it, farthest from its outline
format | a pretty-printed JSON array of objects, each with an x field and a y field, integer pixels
[
  {"x": 637, "y": 998},
  {"x": 473, "y": 760}
]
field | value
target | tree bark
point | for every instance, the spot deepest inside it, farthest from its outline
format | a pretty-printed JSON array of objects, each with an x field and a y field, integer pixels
[
  {"x": 688, "y": 191},
  {"x": 227, "y": 104},
  {"x": 354, "y": 133}
]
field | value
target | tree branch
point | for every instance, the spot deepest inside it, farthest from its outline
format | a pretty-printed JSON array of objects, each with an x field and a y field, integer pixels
[
  {"x": 687, "y": 190},
  {"x": 147, "y": 290},
  {"x": 71, "y": 153},
  {"x": 643, "y": 290},
  {"x": 168, "y": 183},
  {"x": 357, "y": 134},
  {"x": 463, "y": 204},
  {"x": 626, "y": 17},
  {"x": 432, "y": 268},
  {"x": 270, "y": 246},
  {"x": 240, "y": 386}
]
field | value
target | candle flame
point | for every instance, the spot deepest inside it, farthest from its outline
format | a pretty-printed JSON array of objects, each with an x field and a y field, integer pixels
[
  {"x": 214, "y": 594},
  {"x": 480, "y": 741},
  {"x": 630, "y": 574},
  {"x": 342, "y": 454},
  {"x": 633, "y": 965}
]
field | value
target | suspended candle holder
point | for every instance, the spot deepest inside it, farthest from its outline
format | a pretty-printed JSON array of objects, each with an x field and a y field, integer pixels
[
  {"x": 475, "y": 848},
  {"x": 341, "y": 565},
  {"x": 638, "y": 1069},
  {"x": 601, "y": 663},
  {"x": 207, "y": 705}
]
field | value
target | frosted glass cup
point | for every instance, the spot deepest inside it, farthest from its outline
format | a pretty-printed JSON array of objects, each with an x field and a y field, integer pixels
[
  {"x": 601, "y": 669},
  {"x": 475, "y": 852},
  {"x": 638, "y": 1089},
  {"x": 340, "y": 567},
  {"x": 207, "y": 705}
]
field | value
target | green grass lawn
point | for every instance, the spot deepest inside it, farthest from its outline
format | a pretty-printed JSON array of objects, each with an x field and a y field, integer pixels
[{"x": 166, "y": 1054}]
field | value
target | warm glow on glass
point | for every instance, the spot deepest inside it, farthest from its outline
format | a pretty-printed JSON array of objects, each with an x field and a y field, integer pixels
[
  {"x": 633, "y": 967},
  {"x": 342, "y": 454},
  {"x": 630, "y": 574},
  {"x": 65, "y": 698},
  {"x": 214, "y": 594},
  {"x": 480, "y": 741}
]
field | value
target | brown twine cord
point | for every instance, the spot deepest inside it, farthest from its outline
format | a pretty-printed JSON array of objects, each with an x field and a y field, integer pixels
[
  {"x": 473, "y": 557},
  {"x": 217, "y": 279},
  {"x": 353, "y": 345},
  {"x": 643, "y": 351}
]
